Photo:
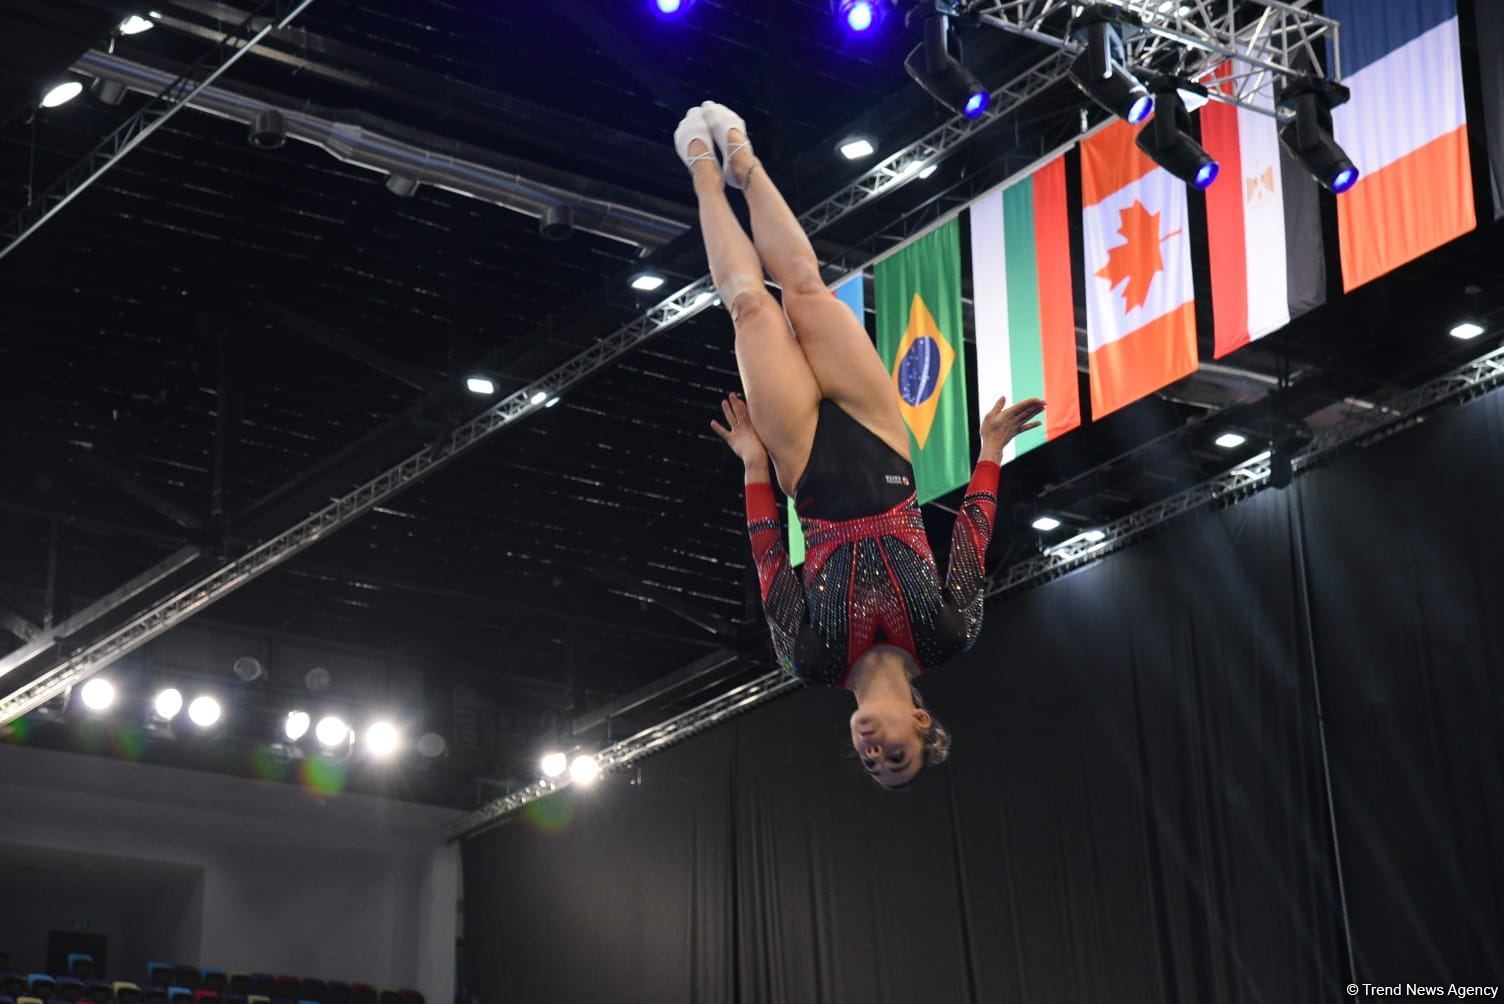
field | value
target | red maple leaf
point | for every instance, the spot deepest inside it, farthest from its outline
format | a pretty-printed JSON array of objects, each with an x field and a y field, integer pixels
[{"x": 1137, "y": 259}]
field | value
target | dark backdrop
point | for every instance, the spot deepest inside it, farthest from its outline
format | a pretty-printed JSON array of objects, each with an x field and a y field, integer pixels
[{"x": 1136, "y": 809}]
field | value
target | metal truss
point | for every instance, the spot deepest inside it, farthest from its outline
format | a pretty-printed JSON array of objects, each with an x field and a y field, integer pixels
[
  {"x": 1273, "y": 39},
  {"x": 266, "y": 18},
  {"x": 893, "y": 172},
  {"x": 1402, "y": 412},
  {"x": 623, "y": 754}
]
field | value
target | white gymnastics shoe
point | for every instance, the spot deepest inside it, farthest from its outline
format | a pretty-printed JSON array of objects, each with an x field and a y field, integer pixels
[
  {"x": 693, "y": 127},
  {"x": 721, "y": 121}
]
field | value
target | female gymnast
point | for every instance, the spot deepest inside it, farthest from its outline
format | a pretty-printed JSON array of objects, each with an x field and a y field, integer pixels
[{"x": 871, "y": 613}]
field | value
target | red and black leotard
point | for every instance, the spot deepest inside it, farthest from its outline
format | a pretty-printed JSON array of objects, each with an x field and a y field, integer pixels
[{"x": 869, "y": 577}]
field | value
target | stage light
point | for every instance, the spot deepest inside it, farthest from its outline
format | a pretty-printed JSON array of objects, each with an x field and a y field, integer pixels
[
  {"x": 61, "y": 94},
  {"x": 1308, "y": 132},
  {"x": 1046, "y": 523},
  {"x": 554, "y": 764},
  {"x": 480, "y": 385},
  {"x": 551, "y": 402},
  {"x": 1467, "y": 330},
  {"x": 135, "y": 24},
  {"x": 672, "y": 8},
  {"x": 431, "y": 745},
  {"x": 937, "y": 64},
  {"x": 1094, "y": 536},
  {"x": 295, "y": 727},
  {"x": 1231, "y": 440},
  {"x": 856, "y": 147},
  {"x": 331, "y": 731},
  {"x": 98, "y": 694},
  {"x": 109, "y": 92},
  {"x": 203, "y": 712},
  {"x": 858, "y": 16},
  {"x": 584, "y": 770},
  {"x": 538, "y": 397},
  {"x": 167, "y": 703},
  {"x": 382, "y": 739},
  {"x": 1167, "y": 141},
  {"x": 647, "y": 282},
  {"x": 928, "y": 171},
  {"x": 1102, "y": 75}
]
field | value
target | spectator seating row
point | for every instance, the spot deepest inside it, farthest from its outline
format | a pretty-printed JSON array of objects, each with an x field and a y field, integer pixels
[{"x": 180, "y": 984}]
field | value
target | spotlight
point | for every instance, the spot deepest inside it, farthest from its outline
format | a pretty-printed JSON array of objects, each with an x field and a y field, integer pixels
[
  {"x": 856, "y": 147},
  {"x": 538, "y": 397},
  {"x": 551, "y": 402},
  {"x": 1467, "y": 330},
  {"x": 135, "y": 25},
  {"x": 248, "y": 668},
  {"x": 1167, "y": 140},
  {"x": 557, "y": 222},
  {"x": 646, "y": 282},
  {"x": 268, "y": 130},
  {"x": 1094, "y": 536},
  {"x": 584, "y": 770},
  {"x": 382, "y": 739},
  {"x": 203, "y": 712},
  {"x": 672, "y": 8},
  {"x": 480, "y": 385},
  {"x": 401, "y": 185},
  {"x": 1046, "y": 523},
  {"x": 937, "y": 65},
  {"x": 61, "y": 94},
  {"x": 858, "y": 16},
  {"x": 331, "y": 731},
  {"x": 554, "y": 764},
  {"x": 431, "y": 745},
  {"x": 1101, "y": 74},
  {"x": 296, "y": 725},
  {"x": 167, "y": 703},
  {"x": 98, "y": 694},
  {"x": 926, "y": 172},
  {"x": 1308, "y": 133},
  {"x": 1231, "y": 440}
]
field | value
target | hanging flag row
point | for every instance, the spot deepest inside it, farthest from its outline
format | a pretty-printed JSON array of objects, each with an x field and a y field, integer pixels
[{"x": 1263, "y": 235}]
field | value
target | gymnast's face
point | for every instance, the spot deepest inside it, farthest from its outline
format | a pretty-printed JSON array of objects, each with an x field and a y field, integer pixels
[{"x": 887, "y": 738}]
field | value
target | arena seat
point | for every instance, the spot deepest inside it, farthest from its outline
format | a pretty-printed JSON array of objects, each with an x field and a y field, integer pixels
[
  {"x": 28, "y": 1000},
  {"x": 99, "y": 991},
  {"x": 159, "y": 974},
  {"x": 312, "y": 990},
  {"x": 12, "y": 985},
  {"x": 40, "y": 985},
  {"x": 81, "y": 966},
  {"x": 213, "y": 979},
  {"x": 238, "y": 983},
  {"x": 185, "y": 977},
  {"x": 154, "y": 995},
  {"x": 203, "y": 995},
  {"x": 262, "y": 985},
  {"x": 69, "y": 989},
  {"x": 179, "y": 995},
  {"x": 362, "y": 993},
  {"x": 336, "y": 992},
  {"x": 410, "y": 997},
  {"x": 257, "y": 999}
]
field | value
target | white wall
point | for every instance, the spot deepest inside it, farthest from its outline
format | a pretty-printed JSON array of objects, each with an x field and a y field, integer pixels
[{"x": 339, "y": 887}]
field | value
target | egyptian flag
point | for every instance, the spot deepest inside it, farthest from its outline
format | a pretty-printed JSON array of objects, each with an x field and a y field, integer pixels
[
  {"x": 1406, "y": 130},
  {"x": 1263, "y": 222},
  {"x": 919, "y": 338},
  {"x": 1140, "y": 318},
  {"x": 1490, "y": 17},
  {"x": 1025, "y": 309}
]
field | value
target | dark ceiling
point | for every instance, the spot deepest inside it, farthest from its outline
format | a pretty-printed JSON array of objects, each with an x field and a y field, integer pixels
[{"x": 215, "y": 340}]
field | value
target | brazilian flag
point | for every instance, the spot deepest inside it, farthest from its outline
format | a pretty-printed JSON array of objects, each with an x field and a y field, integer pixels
[{"x": 920, "y": 340}]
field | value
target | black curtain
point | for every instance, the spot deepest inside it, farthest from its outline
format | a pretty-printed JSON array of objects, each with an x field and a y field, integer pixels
[{"x": 1137, "y": 808}]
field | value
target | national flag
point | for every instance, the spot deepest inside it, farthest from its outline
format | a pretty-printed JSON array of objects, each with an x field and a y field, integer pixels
[
  {"x": 919, "y": 337},
  {"x": 1490, "y": 19},
  {"x": 852, "y": 293},
  {"x": 1025, "y": 308},
  {"x": 1263, "y": 221},
  {"x": 1406, "y": 130},
  {"x": 1140, "y": 315}
]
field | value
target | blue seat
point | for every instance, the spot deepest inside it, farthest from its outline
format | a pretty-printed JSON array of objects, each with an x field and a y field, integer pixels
[
  {"x": 40, "y": 985},
  {"x": 179, "y": 995},
  {"x": 81, "y": 966}
]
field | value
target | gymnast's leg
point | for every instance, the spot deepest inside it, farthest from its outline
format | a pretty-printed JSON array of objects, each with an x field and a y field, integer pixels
[
  {"x": 841, "y": 355},
  {"x": 782, "y": 394}
]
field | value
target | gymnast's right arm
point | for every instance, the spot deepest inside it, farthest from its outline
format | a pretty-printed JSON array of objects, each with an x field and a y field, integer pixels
[{"x": 782, "y": 592}]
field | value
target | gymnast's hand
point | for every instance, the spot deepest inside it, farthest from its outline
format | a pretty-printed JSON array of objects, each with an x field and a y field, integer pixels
[
  {"x": 740, "y": 435},
  {"x": 1002, "y": 423}
]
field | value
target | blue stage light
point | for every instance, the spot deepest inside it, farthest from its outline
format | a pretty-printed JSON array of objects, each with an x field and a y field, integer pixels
[
  {"x": 671, "y": 8},
  {"x": 1206, "y": 174},
  {"x": 859, "y": 15},
  {"x": 976, "y": 104},
  {"x": 1141, "y": 109},
  {"x": 1345, "y": 179}
]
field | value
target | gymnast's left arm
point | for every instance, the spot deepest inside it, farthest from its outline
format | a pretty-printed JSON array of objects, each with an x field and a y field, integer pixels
[{"x": 965, "y": 576}]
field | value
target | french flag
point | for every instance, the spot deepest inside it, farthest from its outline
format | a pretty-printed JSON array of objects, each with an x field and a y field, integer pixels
[
  {"x": 1406, "y": 129},
  {"x": 1263, "y": 221}
]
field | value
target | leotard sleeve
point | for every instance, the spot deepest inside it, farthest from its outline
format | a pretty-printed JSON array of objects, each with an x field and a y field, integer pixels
[
  {"x": 965, "y": 577},
  {"x": 800, "y": 650}
]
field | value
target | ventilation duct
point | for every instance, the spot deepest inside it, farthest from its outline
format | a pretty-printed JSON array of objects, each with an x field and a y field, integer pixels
[{"x": 415, "y": 164}]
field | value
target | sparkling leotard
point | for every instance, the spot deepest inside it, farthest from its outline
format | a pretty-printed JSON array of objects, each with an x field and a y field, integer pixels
[{"x": 871, "y": 581}]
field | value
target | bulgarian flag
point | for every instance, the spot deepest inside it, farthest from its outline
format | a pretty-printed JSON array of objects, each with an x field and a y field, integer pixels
[
  {"x": 1025, "y": 308},
  {"x": 1140, "y": 315},
  {"x": 1405, "y": 129},
  {"x": 1263, "y": 222},
  {"x": 919, "y": 338}
]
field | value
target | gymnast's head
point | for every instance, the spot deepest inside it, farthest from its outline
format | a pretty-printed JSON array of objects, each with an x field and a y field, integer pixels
[{"x": 894, "y": 735}]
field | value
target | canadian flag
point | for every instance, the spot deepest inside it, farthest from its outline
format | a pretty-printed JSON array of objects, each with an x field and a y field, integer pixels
[{"x": 1140, "y": 314}]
